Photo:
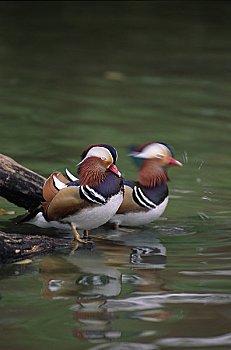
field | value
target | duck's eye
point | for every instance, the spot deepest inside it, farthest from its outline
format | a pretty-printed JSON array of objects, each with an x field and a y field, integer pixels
[
  {"x": 103, "y": 158},
  {"x": 161, "y": 156}
]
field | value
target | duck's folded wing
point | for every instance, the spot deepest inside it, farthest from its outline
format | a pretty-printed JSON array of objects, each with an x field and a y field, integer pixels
[
  {"x": 49, "y": 189},
  {"x": 66, "y": 202},
  {"x": 128, "y": 204}
]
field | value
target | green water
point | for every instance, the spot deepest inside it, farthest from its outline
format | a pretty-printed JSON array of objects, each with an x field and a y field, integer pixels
[{"x": 77, "y": 73}]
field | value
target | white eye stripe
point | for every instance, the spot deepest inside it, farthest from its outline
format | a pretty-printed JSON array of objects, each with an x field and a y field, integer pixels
[
  {"x": 159, "y": 155},
  {"x": 152, "y": 150},
  {"x": 100, "y": 152}
]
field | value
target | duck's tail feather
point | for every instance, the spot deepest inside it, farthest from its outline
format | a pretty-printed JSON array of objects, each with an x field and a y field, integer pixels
[{"x": 29, "y": 215}]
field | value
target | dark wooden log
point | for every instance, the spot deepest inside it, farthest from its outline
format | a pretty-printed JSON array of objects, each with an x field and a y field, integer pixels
[
  {"x": 16, "y": 247},
  {"x": 20, "y": 185}
]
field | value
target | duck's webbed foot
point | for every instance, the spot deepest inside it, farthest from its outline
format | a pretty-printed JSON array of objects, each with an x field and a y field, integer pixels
[{"x": 77, "y": 235}]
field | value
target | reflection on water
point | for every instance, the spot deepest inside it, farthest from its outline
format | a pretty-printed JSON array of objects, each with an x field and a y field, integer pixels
[
  {"x": 210, "y": 342},
  {"x": 119, "y": 282},
  {"x": 154, "y": 294},
  {"x": 149, "y": 257},
  {"x": 94, "y": 284}
]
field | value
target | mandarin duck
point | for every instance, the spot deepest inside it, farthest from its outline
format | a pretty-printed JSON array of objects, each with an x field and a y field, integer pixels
[
  {"x": 146, "y": 199},
  {"x": 89, "y": 201}
]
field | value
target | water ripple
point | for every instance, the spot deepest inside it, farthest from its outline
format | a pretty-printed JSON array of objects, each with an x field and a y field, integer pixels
[
  {"x": 125, "y": 346},
  {"x": 208, "y": 273},
  {"x": 221, "y": 340},
  {"x": 156, "y": 301}
]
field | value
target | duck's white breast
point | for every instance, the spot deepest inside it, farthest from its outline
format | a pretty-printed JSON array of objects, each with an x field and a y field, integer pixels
[
  {"x": 140, "y": 218},
  {"x": 97, "y": 215}
]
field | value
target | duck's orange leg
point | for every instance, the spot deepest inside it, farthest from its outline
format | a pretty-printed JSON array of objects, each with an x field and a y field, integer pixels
[{"x": 76, "y": 234}]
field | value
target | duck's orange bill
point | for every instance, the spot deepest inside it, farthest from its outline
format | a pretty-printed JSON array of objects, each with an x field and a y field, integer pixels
[
  {"x": 114, "y": 169},
  {"x": 172, "y": 161}
]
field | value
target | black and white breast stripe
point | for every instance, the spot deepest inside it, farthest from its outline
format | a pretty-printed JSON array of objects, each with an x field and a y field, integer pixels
[
  {"x": 91, "y": 195},
  {"x": 140, "y": 198}
]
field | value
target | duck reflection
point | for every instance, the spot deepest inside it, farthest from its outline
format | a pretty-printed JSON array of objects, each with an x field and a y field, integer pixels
[
  {"x": 94, "y": 319},
  {"x": 82, "y": 274},
  {"x": 95, "y": 278},
  {"x": 153, "y": 258},
  {"x": 141, "y": 265},
  {"x": 86, "y": 277},
  {"x": 148, "y": 263}
]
